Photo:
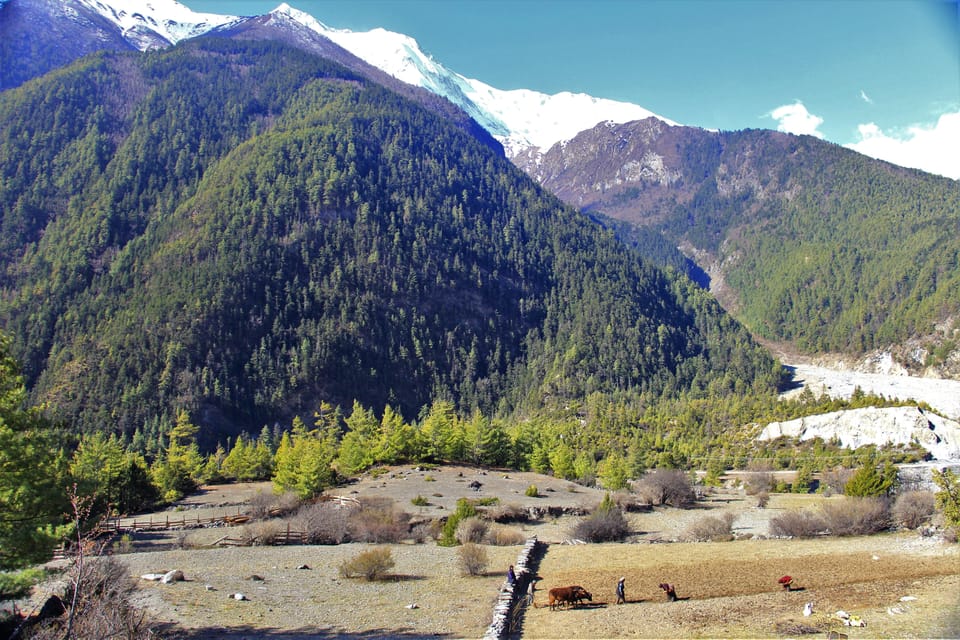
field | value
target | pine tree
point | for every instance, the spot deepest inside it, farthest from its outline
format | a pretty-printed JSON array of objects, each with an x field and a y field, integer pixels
[
  {"x": 612, "y": 472},
  {"x": 948, "y": 497},
  {"x": 357, "y": 446},
  {"x": 869, "y": 481},
  {"x": 179, "y": 470},
  {"x": 303, "y": 463},
  {"x": 32, "y": 478}
]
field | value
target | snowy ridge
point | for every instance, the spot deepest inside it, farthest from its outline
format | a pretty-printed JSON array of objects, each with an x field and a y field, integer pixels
[
  {"x": 523, "y": 121},
  {"x": 155, "y": 23},
  {"x": 519, "y": 119}
]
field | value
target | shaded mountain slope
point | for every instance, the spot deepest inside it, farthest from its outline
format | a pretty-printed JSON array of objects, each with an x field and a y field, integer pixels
[
  {"x": 241, "y": 229},
  {"x": 38, "y": 36}
]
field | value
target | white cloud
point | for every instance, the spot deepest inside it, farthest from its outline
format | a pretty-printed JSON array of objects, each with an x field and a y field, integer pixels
[
  {"x": 931, "y": 148},
  {"x": 865, "y": 97},
  {"x": 794, "y": 118}
]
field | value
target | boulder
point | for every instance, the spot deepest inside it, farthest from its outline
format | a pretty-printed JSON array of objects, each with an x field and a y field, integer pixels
[{"x": 172, "y": 576}]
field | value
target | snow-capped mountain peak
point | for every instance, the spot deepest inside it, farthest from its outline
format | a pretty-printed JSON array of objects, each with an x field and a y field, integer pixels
[
  {"x": 524, "y": 121},
  {"x": 519, "y": 119},
  {"x": 155, "y": 23}
]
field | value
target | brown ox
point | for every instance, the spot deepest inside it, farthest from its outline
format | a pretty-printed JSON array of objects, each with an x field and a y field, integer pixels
[{"x": 571, "y": 595}]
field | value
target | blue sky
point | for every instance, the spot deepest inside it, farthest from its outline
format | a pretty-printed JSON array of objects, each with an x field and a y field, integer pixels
[{"x": 882, "y": 76}]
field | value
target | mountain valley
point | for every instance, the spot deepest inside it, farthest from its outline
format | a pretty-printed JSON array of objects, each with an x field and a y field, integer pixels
[{"x": 405, "y": 313}]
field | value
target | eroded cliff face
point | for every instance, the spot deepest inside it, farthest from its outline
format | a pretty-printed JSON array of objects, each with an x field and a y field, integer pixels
[{"x": 890, "y": 426}]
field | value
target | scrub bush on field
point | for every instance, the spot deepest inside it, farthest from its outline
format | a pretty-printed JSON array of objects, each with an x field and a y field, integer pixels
[
  {"x": 501, "y": 536},
  {"x": 606, "y": 524},
  {"x": 471, "y": 529},
  {"x": 913, "y": 509},
  {"x": 370, "y": 565},
  {"x": 323, "y": 523},
  {"x": 856, "y": 516},
  {"x": 797, "y": 524},
  {"x": 379, "y": 520},
  {"x": 472, "y": 558},
  {"x": 667, "y": 486},
  {"x": 711, "y": 529}
]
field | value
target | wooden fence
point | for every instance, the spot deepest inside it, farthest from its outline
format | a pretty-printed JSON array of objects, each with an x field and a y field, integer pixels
[
  {"x": 273, "y": 538},
  {"x": 166, "y": 523}
]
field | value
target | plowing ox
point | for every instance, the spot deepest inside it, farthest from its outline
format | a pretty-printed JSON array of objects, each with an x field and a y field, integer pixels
[{"x": 571, "y": 595}]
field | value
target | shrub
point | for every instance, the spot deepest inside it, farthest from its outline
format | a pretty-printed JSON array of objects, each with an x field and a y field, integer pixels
[
  {"x": 667, "y": 486},
  {"x": 487, "y": 501},
  {"x": 378, "y": 520},
  {"x": 465, "y": 509},
  {"x": 763, "y": 499},
  {"x": 267, "y": 505},
  {"x": 370, "y": 565},
  {"x": 856, "y": 516},
  {"x": 420, "y": 501},
  {"x": 606, "y": 524},
  {"x": 473, "y": 559},
  {"x": 711, "y": 529},
  {"x": 124, "y": 544},
  {"x": 835, "y": 480},
  {"x": 913, "y": 508},
  {"x": 760, "y": 479},
  {"x": 532, "y": 491},
  {"x": 323, "y": 523},
  {"x": 471, "y": 529},
  {"x": 104, "y": 605},
  {"x": 797, "y": 524},
  {"x": 263, "y": 532},
  {"x": 504, "y": 536}
]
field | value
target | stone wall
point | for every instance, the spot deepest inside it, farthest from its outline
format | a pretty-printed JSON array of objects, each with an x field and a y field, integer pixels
[{"x": 508, "y": 612}]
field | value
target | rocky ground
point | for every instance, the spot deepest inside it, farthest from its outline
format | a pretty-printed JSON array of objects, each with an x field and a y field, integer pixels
[{"x": 731, "y": 586}]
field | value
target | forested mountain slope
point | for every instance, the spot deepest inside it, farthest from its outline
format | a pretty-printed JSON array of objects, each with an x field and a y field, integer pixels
[
  {"x": 241, "y": 229},
  {"x": 818, "y": 245}
]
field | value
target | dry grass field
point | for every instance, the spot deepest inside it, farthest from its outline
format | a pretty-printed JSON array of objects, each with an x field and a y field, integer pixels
[
  {"x": 730, "y": 588},
  {"x": 732, "y": 591}
]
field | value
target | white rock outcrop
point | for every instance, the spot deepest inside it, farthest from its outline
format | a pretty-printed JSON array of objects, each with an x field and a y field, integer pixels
[{"x": 858, "y": 427}]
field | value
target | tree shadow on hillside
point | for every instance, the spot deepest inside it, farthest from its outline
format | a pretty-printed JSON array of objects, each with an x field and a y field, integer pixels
[
  {"x": 249, "y": 632},
  {"x": 789, "y": 380}
]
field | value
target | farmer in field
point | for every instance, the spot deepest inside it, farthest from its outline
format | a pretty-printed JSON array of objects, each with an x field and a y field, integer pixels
[{"x": 621, "y": 597}]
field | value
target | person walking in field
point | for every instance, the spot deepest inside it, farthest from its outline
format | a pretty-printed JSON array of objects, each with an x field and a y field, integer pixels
[{"x": 621, "y": 597}]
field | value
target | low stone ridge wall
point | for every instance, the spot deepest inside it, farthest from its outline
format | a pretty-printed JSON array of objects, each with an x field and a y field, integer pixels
[{"x": 506, "y": 613}]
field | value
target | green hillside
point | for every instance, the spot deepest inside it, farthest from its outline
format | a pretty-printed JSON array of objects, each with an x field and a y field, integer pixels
[
  {"x": 817, "y": 245},
  {"x": 241, "y": 230}
]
